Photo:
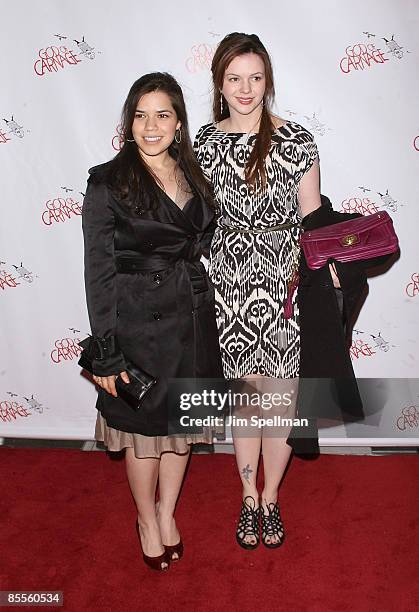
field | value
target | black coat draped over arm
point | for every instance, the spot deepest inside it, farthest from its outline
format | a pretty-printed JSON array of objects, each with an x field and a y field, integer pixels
[{"x": 328, "y": 387}]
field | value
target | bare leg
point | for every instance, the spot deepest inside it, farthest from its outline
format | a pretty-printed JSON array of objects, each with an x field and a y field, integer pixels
[
  {"x": 142, "y": 477},
  {"x": 171, "y": 474},
  {"x": 276, "y": 454},
  {"x": 275, "y": 450},
  {"x": 247, "y": 445},
  {"x": 247, "y": 457}
]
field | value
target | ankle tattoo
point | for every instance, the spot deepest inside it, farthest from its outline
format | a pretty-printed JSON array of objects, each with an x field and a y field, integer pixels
[{"x": 246, "y": 471}]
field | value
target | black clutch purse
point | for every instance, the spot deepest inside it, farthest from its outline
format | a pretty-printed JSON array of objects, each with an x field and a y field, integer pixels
[{"x": 131, "y": 393}]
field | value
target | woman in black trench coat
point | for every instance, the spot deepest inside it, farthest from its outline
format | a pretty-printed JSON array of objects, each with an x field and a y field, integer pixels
[{"x": 147, "y": 220}]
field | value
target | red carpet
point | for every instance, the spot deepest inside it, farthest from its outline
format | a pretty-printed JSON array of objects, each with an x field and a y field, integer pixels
[{"x": 352, "y": 536}]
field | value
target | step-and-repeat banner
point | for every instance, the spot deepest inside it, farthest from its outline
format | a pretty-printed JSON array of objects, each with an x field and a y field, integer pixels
[{"x": 347, "y": 72}]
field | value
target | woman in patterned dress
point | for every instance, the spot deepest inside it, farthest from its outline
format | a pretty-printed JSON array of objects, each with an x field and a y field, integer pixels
[{"x": 265, "y": 176}]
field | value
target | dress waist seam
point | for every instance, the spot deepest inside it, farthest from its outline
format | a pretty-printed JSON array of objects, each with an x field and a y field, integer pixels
[{"x": 258, "y": 230}]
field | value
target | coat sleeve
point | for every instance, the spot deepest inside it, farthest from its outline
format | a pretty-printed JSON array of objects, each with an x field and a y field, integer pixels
[
  {"x": 207, "y": 237},
  {"x": 98, "y": 224}
]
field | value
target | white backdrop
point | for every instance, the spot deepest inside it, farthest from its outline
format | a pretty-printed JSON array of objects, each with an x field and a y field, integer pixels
[{"x": 348, "y": 72}]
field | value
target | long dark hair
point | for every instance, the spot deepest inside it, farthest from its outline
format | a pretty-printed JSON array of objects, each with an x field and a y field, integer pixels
[
  {"x": 231, "y": 46},
  {"x": 128, "y": 175}
]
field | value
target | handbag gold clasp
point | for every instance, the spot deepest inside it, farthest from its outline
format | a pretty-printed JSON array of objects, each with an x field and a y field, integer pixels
[{"x": 349, "y": 240}]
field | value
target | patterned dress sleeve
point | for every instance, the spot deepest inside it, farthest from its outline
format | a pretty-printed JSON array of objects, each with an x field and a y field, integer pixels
[
  {"x": 201, "y": 151},
  {"x": 98, "y": 225},
  {"x": 310, "y": 148}
]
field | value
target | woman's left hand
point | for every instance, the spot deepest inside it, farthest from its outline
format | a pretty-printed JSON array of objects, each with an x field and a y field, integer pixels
[
  {"x": 108, "y": 382},
  {"x": 335, "y": 278}
]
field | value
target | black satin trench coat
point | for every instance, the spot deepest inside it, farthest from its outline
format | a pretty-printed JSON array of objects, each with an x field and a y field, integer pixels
[{"x": 162, "y": 312}]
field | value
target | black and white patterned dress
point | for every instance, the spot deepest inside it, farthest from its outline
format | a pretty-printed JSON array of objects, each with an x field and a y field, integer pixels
[{"x": 250, "y": 271}]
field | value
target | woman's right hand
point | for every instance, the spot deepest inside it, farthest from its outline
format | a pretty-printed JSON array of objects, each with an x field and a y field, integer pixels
[{"x": 108, "y": 382}]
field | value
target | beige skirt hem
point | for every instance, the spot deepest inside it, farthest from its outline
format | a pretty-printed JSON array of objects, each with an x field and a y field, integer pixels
[{"x": 147, "y": 446}]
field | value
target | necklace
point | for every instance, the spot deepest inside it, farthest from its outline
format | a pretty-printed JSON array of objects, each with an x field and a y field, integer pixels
[
  {"x": 172, "y": 175},
  {"x": 165, "y": 175}
]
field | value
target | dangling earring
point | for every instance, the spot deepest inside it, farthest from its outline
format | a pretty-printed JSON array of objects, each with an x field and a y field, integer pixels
[
  {"x": 129, "y": 140},
  {"x": 178, "y": 136},
  {"x": 221, "y": 103}
]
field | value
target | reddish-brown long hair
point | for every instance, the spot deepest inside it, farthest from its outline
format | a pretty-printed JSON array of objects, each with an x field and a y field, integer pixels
[{"x": 230, "y": 47}]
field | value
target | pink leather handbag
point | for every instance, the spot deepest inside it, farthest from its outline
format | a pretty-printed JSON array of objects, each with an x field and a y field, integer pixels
[{"x": 361, "y": 238}]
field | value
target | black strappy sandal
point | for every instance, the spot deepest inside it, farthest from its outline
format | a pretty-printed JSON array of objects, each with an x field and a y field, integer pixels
[
  {"x": 272, "y": 526},
  {"x": 248, "y": 524}
]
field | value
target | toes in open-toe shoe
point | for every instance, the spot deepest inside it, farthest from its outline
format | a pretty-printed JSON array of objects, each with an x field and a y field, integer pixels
[
  {"x": 272, "y": 526},
  {"x": 175, "y": 552},
  {"x": 248, "y": 525},
  {"x": 160, "y": 563}
]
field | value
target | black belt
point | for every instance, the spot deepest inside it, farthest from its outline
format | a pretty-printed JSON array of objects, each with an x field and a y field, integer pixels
[{"x": 193, "y": 268}]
